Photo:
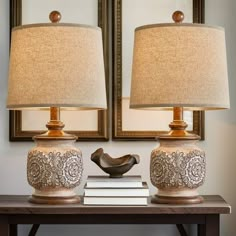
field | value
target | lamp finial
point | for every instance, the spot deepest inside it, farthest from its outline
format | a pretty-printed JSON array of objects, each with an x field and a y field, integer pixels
[
  {"x": 178, "y": 16},
  {"x": 55, "y": 16}
]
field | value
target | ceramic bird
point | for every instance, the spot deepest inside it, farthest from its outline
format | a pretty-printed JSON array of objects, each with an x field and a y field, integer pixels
[{"x": 115, "y": 167}]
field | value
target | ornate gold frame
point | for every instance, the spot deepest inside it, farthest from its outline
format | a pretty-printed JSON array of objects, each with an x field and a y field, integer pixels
[
  {"x": 117, "y": 132},
  {"x": 102, "y": 134}
]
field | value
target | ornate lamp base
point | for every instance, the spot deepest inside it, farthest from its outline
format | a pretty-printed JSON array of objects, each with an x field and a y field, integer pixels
[
  {"x": 54, "y": 166},
  {"x": 177, "y": 169},
  {"x": 54, "y": 169}
]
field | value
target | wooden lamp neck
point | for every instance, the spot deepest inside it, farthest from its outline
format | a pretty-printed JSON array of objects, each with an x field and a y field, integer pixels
[
  {"x": 178, "y": 113},
  {"x": 54, "y": 113},
  {"x": 178, "y": 127},
  {"x": 178, "y": 119},
  {"x": 55, "y": 124}
]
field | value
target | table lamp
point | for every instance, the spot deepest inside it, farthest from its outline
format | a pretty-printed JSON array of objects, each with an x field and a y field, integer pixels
[
  {"x": 179, "y": 66},
  {"x": 56, "y": 66}
]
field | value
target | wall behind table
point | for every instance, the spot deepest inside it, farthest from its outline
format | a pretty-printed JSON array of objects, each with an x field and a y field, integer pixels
[{"x": 219, "y": 145}]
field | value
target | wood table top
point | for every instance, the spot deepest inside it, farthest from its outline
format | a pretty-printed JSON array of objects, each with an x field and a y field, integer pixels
[{"x": 18, "y": 204}]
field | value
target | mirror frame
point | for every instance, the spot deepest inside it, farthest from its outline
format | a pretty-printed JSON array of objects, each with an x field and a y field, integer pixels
[
  {"x": 102, "y": 133},
  {"x": 117, "y": 132}
]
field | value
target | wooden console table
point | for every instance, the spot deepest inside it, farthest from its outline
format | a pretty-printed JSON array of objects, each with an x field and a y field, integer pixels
[{"x": 16, "y": 210}]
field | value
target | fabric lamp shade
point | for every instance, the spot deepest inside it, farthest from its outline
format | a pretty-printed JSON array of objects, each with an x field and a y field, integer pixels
[
  {"x": 179, "y": 65},
  {"x": 56, "y": 65}
]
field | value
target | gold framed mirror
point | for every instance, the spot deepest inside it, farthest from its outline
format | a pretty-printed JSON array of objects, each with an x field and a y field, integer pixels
[
  {"x": 87, "y": 125},
  {"x": 127, "y": 15}
]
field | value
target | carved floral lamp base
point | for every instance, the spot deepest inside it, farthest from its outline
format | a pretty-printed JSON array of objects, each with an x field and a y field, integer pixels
[
  {"x": 177, "y": 169},
  {"x": 54, "y": 169}
]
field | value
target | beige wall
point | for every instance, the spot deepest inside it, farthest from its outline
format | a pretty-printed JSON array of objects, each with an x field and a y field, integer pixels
[{"x": 219, "y": 145}]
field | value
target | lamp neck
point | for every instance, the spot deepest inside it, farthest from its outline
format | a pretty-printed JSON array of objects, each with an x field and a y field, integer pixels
[
  {"x": 54, "y": 113},
  {"x": 178, "y": 127},
  {"x": 178, "y": 113},
  {"x": 178, "y": 119},
  {"x": 55, "y": 125},
  {"x": 55, "y": 128}
]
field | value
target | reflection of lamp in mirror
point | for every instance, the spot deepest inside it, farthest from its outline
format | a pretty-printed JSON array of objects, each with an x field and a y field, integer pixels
[
  {"x": 56, "y": 66},
  {"x": 179, "y": 66}
]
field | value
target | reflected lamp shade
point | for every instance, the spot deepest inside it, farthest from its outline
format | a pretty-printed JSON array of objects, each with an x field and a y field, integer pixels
[
  {"x": 179, "y": 65},
  {"x": 56, "y": 65}
]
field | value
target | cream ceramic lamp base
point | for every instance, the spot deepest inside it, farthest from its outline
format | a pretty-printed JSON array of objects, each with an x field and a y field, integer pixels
[
  {"x": 54, "y": 169},
  {"x": 177, "y": 169}
]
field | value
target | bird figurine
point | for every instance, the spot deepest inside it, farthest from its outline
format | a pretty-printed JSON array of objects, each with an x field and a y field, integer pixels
[{"x": 115, "y": 167}]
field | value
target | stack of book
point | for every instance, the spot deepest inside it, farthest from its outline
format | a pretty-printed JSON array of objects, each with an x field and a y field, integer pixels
[{"x": 102, "y": 190}]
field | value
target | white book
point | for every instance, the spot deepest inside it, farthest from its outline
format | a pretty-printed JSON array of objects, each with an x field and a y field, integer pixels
[
  {"x": 117, "y": 192},
  {"x": 129, "y": 181},
  {"x": 116, "y": 201}
]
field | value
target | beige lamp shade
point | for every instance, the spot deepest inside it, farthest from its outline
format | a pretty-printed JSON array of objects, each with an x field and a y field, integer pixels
[
  {"x": 56, "y": 65},
  {"x": 179, "y": 65}
]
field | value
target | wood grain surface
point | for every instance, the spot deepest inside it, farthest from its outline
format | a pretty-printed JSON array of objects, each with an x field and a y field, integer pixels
[{"x": 13, "y": 204}]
